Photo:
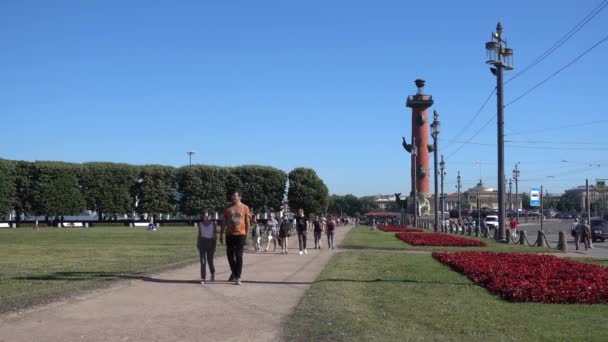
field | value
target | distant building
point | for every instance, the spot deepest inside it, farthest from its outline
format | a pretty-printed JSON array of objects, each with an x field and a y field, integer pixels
[{"x": 383, "y": 201}]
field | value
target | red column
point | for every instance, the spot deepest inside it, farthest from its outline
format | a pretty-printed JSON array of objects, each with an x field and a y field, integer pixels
[{"x": 420, "y": 130}]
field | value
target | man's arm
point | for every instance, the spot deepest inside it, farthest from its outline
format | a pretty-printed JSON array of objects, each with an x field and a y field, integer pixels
[{"x": 247, "y": 222}]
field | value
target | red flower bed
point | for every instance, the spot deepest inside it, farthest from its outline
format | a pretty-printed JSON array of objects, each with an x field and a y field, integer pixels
[
  {"x": 435, "y": 239},
  {"x": 532, "y": 278},
  {"x": 399, "y": 229}
]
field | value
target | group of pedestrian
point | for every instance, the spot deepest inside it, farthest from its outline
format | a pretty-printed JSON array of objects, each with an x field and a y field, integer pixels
[
  {"x": 581, "y": 232},
  {"x": 237, "y": 222}
]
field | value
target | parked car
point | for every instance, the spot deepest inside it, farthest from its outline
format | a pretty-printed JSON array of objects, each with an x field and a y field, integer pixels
[
  {"x": 492, "y": 221},
  {"x": 599, "y": 230}
]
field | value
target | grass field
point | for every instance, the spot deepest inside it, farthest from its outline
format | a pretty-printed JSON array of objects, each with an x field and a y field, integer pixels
[
  {"x": 364, "y": 238},
  {"x": 381, "y": 296},
  {"x": 36, "y": 267}
]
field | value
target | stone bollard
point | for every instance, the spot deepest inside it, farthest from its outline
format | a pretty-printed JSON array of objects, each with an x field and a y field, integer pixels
[
  {"x": 13, "y": 225},
  {"x": 86, "y": 224},
  {"x": 539, "y": 239},
  {"x": 522, "y": 237},
  {"x": 562, "y": 245}
]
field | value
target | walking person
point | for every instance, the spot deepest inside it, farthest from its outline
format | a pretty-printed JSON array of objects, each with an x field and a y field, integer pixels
[
  {"x": 256, "y": 234},
  {"x": 284, "y": 228},
  {"x": 331, "y": 227},
  {"x": 514, "y": 225},
  {"x": 36, "y": 225},
  {"x": 235, "y": 225},
  {"x": 301, "y": 229},
  {"x": 587, "y": 235},
  {"x": 272, "y": 230},
  {"x": 206, "y": 243},
  {"x": 317, "y": 230}
]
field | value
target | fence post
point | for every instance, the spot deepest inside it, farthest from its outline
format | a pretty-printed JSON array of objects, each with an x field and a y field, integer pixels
[
  {"x": 562, "y": 245},
  {"x": 539, "y": 239}
]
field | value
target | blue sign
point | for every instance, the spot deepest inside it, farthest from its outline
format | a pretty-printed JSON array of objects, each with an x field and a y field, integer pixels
[{"x": 535, "y": 197}]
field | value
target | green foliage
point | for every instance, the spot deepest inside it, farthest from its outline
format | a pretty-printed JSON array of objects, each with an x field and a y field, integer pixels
[
  {"x": 263, "y": 187},
  {"x": 155, "y": 190},
  {"x": 107, "y": 187},
  {"x": 351, "y": 205},
  {"x": 568, "y": 202},
  {"x": 307, "y": 191},
  {"x": 22, "y": 198},
  {"x": 55, "y": 189},
  {"x": 202, "y": 188},
  {"x": 7, "y": 186}
]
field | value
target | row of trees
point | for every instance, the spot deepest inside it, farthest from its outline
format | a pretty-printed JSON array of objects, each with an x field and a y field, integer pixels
[
  {"x": 352, "y": 205},
  {"x": 57, "y": 188}
]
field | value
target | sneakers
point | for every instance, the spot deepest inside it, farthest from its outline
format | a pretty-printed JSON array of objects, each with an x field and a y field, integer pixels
[
  {"x": 231, "y": 278},
  {"x": 305, "y": 251},
  {"x": 202, "y": 282},
  {"x": 237, "y": 281},
  {"x": 212, "y": 277},
  {"x": 301, "y": 252}
]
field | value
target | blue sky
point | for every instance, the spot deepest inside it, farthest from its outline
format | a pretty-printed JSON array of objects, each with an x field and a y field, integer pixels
[{"x": 320, "y": 84}]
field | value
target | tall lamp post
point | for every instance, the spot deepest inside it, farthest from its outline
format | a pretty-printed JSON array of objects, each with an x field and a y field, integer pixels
[
  {"x": 442, "y": 170},
  {"x": 459, "y": 186},
  {"x": 435, "y": 127},
  {"x": 414, "y": 190},
  {"x": 516, "y": 178},
  {"x": 190, "y": 154},
  {"x": 501, "y": 58}
]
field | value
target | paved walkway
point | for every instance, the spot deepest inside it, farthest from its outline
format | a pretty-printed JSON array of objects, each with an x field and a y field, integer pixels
[{"x": 173, "y": 306}]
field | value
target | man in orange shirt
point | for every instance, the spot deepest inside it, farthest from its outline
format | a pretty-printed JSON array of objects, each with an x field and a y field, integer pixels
[{"x": 236, "y": 226}]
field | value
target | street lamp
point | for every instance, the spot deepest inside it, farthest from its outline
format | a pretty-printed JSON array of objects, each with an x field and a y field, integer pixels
[
  {"x": 414, "y": 152},
  {"x": 516, "y": 178},
  {"x": 435, "y": 127},
  {"x": 442, "y": 168},
  {"x": 501, "y": 57},
  {"x": 190, "y": 154}
]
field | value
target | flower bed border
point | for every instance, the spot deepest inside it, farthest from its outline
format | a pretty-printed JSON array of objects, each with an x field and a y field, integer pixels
[
  {"x": 438, "y": 240},
  {"x": 400, "y": 229},
  {"x": 538, "y": 278}
]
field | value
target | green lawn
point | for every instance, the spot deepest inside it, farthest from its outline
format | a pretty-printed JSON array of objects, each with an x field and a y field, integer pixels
[
  {"x": 39, "y": 266},
  {"x": 364, "y": 238},
  {"x": 381, "y": 296}
]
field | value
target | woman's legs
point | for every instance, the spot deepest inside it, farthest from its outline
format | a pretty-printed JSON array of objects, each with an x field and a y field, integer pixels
[
  {"x": 330, "y": 240},
  {"x": 210, "y": 254},
  {"x": 284, "y": 243}
]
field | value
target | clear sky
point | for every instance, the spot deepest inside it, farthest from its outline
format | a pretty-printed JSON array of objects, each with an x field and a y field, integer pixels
[{"x": 320, "y": 84}]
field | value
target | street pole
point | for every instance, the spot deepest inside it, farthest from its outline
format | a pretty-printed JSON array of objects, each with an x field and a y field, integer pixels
[
  {"x": 516, "y": 176},
  {"x": 542, "y": 212},
  {"x": 442, "y": 194},
  {"x": 435, "y": 134},
  {"x": 414, "y": 186},
  {"x": 511, "y": 196},
  {"x": 588, "y": 201},
  {"x": 190, "y": 154},
  {"x": 459, "y": 187},
  {"x": 501, "y": 152},
  {"x": 500, "y": 57}
]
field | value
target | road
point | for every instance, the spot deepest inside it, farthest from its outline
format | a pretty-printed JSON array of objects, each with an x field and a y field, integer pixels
[{"x": 552, "y": 227}]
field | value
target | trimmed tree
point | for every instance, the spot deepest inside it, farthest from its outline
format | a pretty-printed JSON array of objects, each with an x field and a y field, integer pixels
[
  {"x": 263, "y": 187},
  {"x": 155, "y": 190},
  {"x": 55, "y": 189},
  {"x": 201, "y": 188},
  {"x": 307, "y": 191},
  {"x": 7, "y": 186},
  {"x": 107, "y": 187}
]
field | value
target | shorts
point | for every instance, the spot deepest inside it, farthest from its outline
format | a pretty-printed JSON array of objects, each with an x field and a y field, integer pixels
[{"x": 283, "y": 233}]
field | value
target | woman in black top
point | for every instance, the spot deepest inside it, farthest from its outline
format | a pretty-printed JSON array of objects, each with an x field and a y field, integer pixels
[
  {"x": 331, "y": 226},
  {"x": 318, "y": 229},
  {"x": 284, "y": 233},
  {"x": 302, "y": 228}
]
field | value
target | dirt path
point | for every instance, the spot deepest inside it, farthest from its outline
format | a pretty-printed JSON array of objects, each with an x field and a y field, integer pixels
[{"x": 173, "y": 306}]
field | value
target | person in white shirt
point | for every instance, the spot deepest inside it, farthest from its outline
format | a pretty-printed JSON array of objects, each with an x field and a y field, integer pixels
[{"x": 206, "y": 244}]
